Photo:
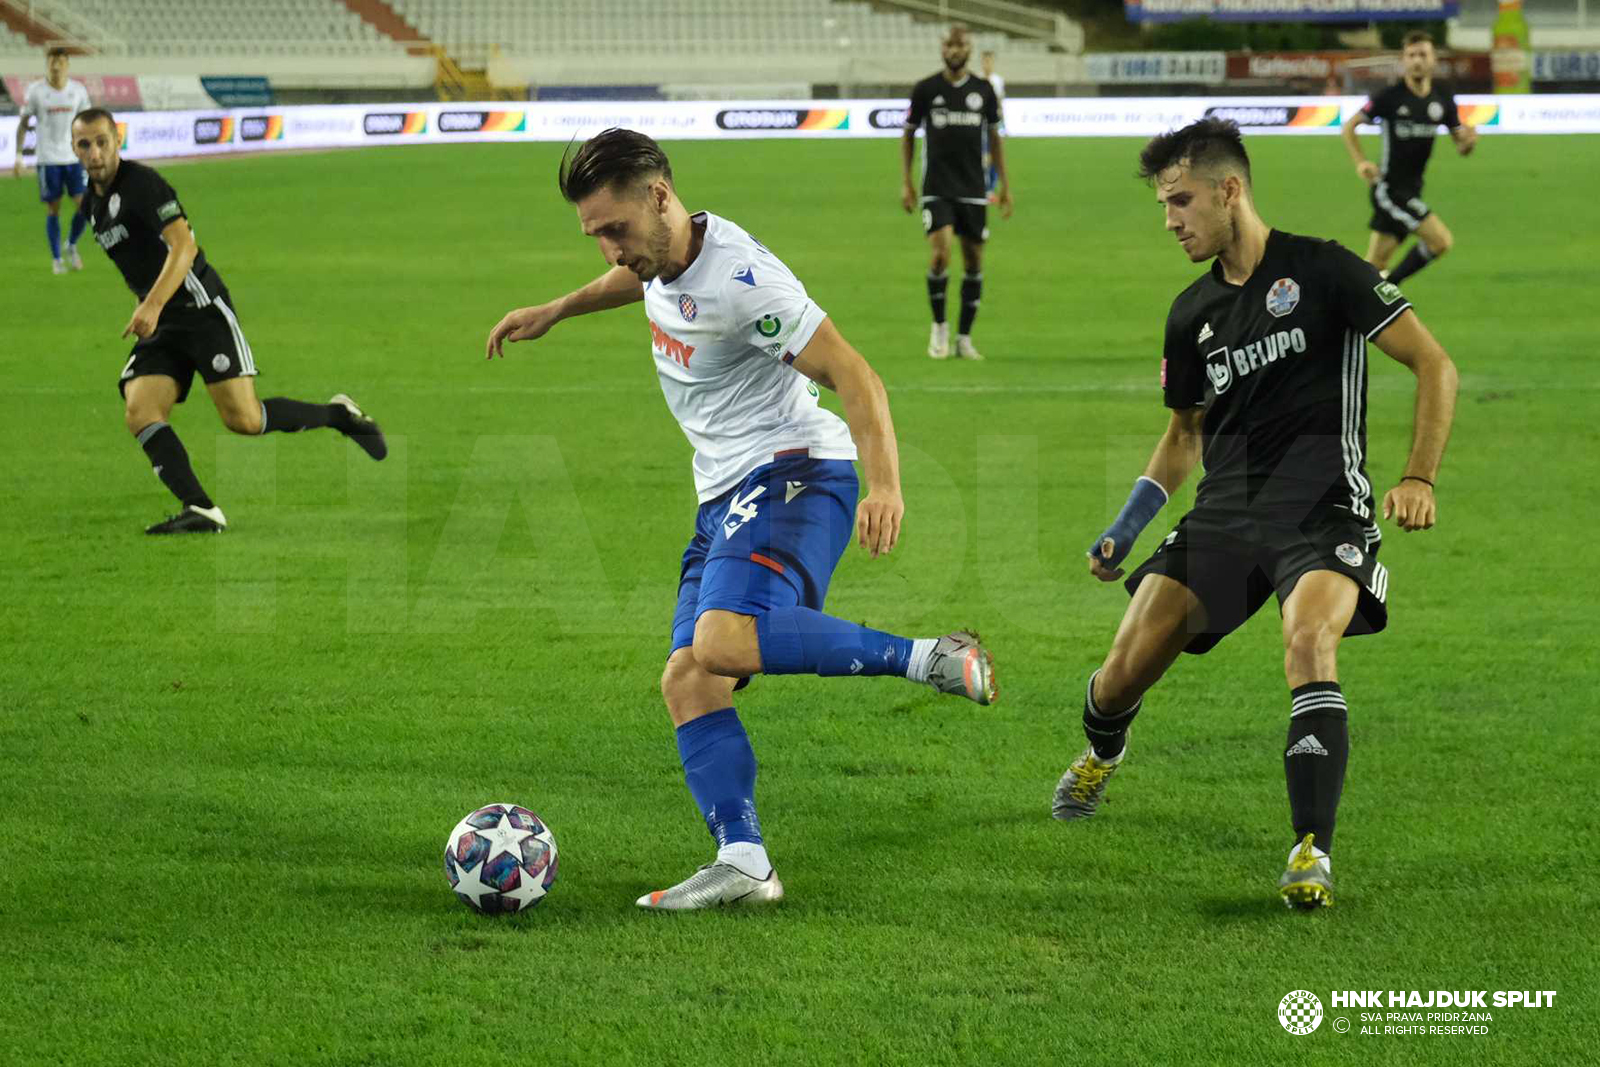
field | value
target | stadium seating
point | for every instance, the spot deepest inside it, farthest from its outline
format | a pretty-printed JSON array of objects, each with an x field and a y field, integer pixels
[
  {"x": 208, "y": 27},
  {"x": 12, "y": 44},
  {"x": 471, "y": 29}
]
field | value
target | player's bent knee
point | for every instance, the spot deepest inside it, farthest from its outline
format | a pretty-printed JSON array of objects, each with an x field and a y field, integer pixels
[
  {"x": 714, "y": 656},
  {"x": 1310, "y": 648},
  {"x": 689, "y": 690},
  {"x": 137, "y": 418},
  {"x": 243, "y": 422}
]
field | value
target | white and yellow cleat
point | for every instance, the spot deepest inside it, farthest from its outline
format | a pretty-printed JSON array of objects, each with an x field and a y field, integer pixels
[
  {"x": 965, "y": 349},
  {"x": 939, "y": 341},
  {"x": 716, "y": 885},
  {"x": 1083, "y": 787},
  {"x": 1308, "y": 882}
]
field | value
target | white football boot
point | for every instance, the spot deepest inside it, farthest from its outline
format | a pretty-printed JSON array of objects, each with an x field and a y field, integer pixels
[{"x": 716, "y": 885}]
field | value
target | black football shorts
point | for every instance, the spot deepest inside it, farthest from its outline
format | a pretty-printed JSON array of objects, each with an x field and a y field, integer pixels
[
  {"x": 1234, "y": 561},
  {"x": 1395, "y": 211},
  {"x": 970, "y": 220},
  {"x": 189, "y": 339}
]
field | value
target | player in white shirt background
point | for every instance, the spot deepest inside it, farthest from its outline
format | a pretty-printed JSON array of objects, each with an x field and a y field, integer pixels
[
  {"x": 740, "y": 349},
  {"x": 52, "y": 104},
  {"x": 999, "y": 83}
]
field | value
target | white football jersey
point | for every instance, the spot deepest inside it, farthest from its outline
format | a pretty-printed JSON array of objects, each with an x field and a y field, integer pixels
[
  {"x": 724, "y": 333},
  {"x": 54, "y": 110}
]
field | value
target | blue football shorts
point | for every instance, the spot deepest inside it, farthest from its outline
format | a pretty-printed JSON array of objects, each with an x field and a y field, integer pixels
[
  {"x": 771, "y": 542},
  {"x": 56, "y": 180}
]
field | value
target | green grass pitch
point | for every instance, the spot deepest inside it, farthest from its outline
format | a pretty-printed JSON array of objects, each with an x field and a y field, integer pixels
[{"x": 228, "y": 765}]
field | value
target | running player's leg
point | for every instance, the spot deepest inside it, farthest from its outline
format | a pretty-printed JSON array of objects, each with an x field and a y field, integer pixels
[
  {"x": 1433, "y": 240},
  {"x": 50, "y": 193},
  {"x": 148, "y": 399},
  {"x": 937, "y": 223},
  {"x": 1202, "y": 582},
  {"x": 1161, "y": 621},
  {"x": 971, "y": 281},
  {"x": 1381, "y": 248},
  {"x": 229, "y": 372},
  {"x": 76, "y": 184},
  {"x": 719, "y": 765},
  {"x": 760, "y": 610},
  {"x": 1316, "y": 615}
]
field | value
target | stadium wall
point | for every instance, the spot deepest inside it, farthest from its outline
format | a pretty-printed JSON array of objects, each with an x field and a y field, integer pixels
[{"x": 162, "y": 134}]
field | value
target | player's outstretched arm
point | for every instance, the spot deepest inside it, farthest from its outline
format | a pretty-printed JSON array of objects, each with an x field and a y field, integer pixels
[
  {"x": 613, "y": 289},
  {"x": 1407, "y": 341},
  {"x": 829, "y": 360},
  {"x": 181, "y": 253},
  {"x": 1352, "y": 144},
  {"x": 1175, "y": 456}
]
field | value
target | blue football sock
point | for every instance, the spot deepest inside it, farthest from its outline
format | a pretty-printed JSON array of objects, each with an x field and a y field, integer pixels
[
  {"x": 52, "y": 229},
  {"x": 720, "y": 767},
  {"x": 79, "y": 220},
  {"x": 801, "y": 641}
]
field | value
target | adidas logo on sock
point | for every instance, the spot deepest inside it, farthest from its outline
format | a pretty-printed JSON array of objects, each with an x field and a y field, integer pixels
[{"x": 1307, "y": 746}]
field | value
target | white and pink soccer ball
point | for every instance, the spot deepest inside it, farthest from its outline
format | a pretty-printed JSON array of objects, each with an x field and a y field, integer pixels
[{"x": 500, "y": 859}]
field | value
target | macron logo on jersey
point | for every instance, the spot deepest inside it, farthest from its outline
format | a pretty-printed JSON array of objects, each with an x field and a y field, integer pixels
[{"x": 669, "y": 346}]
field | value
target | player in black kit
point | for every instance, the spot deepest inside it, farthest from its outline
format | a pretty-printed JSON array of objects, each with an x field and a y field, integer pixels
[
  {"x": 960, "y": 115},
  {"x": 1264, "y": 368},
  {"x": 1411, "y": 111},
  {"x": 184, "y": 323}
]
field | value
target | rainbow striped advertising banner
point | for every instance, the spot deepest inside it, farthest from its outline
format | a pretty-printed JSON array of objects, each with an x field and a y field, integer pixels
[{"x": 164, "y": 134}]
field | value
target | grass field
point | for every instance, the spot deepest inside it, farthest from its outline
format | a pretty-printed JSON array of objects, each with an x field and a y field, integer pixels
[{"x": 228, "y": 765}]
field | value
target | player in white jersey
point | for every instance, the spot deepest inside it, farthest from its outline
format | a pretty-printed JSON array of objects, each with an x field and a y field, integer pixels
[
  {"x": 740, "y": 349},
  {"x": 52, "y": 104},
  {"x": 998, "y": 81}
]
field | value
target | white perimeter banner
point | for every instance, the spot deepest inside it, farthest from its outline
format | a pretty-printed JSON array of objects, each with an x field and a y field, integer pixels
[{"x": 158, "y": 134}]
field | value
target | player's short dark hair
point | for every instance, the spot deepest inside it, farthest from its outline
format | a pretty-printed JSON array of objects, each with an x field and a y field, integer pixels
[
  {"x": 613, "y": 159},
  {"x": 96, "y": 114},
  {"x": 57, "y": 50},
  {"x": 1205, "y": 142},
  {"x": 1416, "y": 37}
]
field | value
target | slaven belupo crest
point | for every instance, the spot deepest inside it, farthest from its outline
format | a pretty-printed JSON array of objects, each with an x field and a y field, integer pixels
[
  {"x": 687, "y": 308},
  {"x": 1283, "y": 297}
]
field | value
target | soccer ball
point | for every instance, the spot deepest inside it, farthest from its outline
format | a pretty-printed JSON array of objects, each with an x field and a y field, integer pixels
[{"x": 500, "y": 859}]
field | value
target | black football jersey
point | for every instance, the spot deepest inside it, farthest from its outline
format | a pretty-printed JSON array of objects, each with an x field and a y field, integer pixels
[
  {"x": 1280, "y": 365},
  {"x": 1410, "y": 123},
  {"x": 128, "y": 220},
  {"x": 955, "y": 120}
]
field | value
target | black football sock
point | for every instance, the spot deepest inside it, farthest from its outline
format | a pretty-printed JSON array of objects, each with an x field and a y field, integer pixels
[
  {"x": 1107, "y": 731},
  {"x": 282, "y": 415},
  {"x": 937, "y": 285},
  {"x": 1315, "y": 758},
  {"x": 1415, "y": 260},
  {"x": 171, "y": 461},
  {"x": 971, "y": 293}
]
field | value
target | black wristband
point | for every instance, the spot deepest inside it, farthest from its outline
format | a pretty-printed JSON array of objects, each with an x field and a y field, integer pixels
[{"x": 1416, "y": 478}]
